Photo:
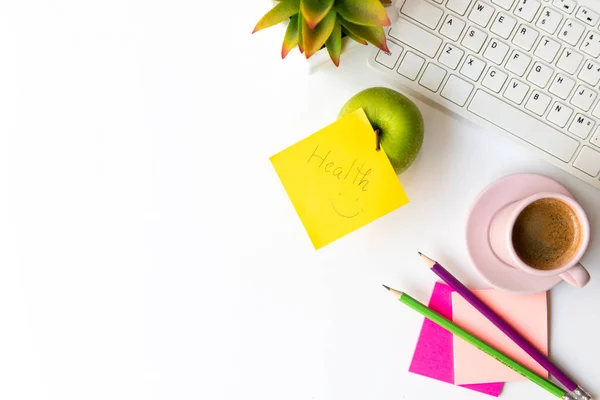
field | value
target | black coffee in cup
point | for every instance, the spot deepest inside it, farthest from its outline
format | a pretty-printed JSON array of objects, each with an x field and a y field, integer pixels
[{"x": 546, "y": 234}]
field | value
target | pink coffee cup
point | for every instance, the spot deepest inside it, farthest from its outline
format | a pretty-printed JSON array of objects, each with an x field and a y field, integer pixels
[{"x": 501, "y": 240}]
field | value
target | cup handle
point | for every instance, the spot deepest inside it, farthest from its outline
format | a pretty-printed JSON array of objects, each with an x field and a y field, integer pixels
[{"x": 577, "y": 276}]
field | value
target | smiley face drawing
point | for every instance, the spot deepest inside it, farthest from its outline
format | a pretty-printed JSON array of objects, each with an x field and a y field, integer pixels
[{"x": 346, "y": 208}]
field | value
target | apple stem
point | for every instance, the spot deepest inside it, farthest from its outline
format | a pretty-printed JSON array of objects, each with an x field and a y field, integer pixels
[{"x": 377, "y": 139}]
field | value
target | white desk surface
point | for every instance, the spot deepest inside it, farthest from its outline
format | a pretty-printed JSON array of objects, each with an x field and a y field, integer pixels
[{"x": 148, "y": 250}]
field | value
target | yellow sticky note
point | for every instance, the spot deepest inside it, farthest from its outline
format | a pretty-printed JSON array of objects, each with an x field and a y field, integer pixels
[{"x": 337, "y": 181}]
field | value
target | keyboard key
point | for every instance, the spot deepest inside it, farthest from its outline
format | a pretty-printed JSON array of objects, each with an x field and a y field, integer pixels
[
  {"x": 423, "y": 12},
  {"x": 472, "y": 68},
  {"x": 525, "y": 37},
  {"x": 457, "y": 90},
  {"x": 540, "y": 74},
  {"x": 559, "y": 114},
  {"x": 451, "y": 56},
  {"x": 591, "y": 44},
  {"x": 503, "y": 25},
  {"x": 590, "y": 73},
  {"x": 494, "y": 79},
  {"x": 496, "y": 51},
  {"x": 458, "y": 6},
  {"x": 432, "y": 77},
  {"x": 549, "y": 20},
  {"x": 474, "y": 39},
  {"x": 390, "y": 58},
  {"x": 547, "y": 49},
  {"x": 538, "y": 103},
  {"x": 481, "y": 13},
  {"x": 562, "y": 86},
  {"x": 566, "y": 5},
  {"x": 516, "y": 91},
  {"x": 569, "y": 61},
  {"x": 583, "y": 98},
  {"x": 506, "y": 4},
  {"x": 522, "y": 125},
  {"x": 596, "y": 138},
  {"x": 411, "y": 65},
  {"x": 527, "y": 9},
  {"x": 571, "y": 32},
  {"x": 518, "y": 62},
  {"x": 586, "y": 15},
  {"x": 452, "y": 27},
  {"x": 415, "y": 37},
  {"x": 581, "y": 126},
  {"x": 588, "y": 161}
]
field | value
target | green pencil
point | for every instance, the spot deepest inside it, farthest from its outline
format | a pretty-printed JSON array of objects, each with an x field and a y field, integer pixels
[{"x": 481, "y": 345}]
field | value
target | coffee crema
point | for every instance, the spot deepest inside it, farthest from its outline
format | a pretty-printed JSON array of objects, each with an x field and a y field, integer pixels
[{"x": 546, "y": 234}]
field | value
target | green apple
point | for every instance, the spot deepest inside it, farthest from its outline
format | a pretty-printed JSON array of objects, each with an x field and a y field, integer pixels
[{"x": 396, "y": 118}]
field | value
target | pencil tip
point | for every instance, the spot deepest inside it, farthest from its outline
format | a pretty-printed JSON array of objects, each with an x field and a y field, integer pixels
[
  {"x": 430, "y": 263},
  {"x": 387, "y": 287},
  {"x": 421, "y": 254}
]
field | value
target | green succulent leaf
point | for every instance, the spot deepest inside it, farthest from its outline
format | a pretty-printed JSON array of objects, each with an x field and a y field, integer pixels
[
  {"x": 282, "y": 11},
  {"x": 292, "y": 33},
  {"x": 334, "y": 43},
  {"x": 353, "y": 36},
  {"x": 314, "y": 39},
  {"x": 300, "y": 41},
  {"x": 363, "y": 12},
  {"x": 372, "y": 34},
  {"x": 314, "y": 11}
]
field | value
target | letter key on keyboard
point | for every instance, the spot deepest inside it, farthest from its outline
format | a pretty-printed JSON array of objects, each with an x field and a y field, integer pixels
[
  {"x": 581, "y": 126},
  {"x": 569, "y": 61},
  {"x": 503, "y": 25},
  {"x": 516, "y": 91},
  {"x": 474, "y": 39},
  {"x": 451, "y": 56},
  {"x": 452, "y": 27},
  {"x": 494, "y": 79},
  {"x": 559, "y": 114},
  {"x": 472, "y": 68},
  {"x": 481, "y": 13},
  {"x": 547, "y": 49},
  {"x": 562, "y": 86},
  {"x": 590, "y": 73}
]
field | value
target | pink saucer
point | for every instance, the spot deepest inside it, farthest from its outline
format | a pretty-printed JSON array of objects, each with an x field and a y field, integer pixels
[{"x": 494, "y": 197}]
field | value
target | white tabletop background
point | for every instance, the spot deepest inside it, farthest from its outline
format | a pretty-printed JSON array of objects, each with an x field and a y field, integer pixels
[{"x": 149, "y": 251}]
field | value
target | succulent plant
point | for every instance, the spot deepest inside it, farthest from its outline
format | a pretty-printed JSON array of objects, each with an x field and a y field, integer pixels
[{"x": 314, "y": 24}]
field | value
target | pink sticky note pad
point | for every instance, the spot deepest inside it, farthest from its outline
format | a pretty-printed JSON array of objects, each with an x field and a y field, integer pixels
[
  {"x": 527, "y": 314},
  {"x": 434, "y": 352}
]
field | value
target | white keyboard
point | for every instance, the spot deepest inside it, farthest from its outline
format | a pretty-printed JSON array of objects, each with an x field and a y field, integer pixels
[{"x": 530, "y": 68}]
